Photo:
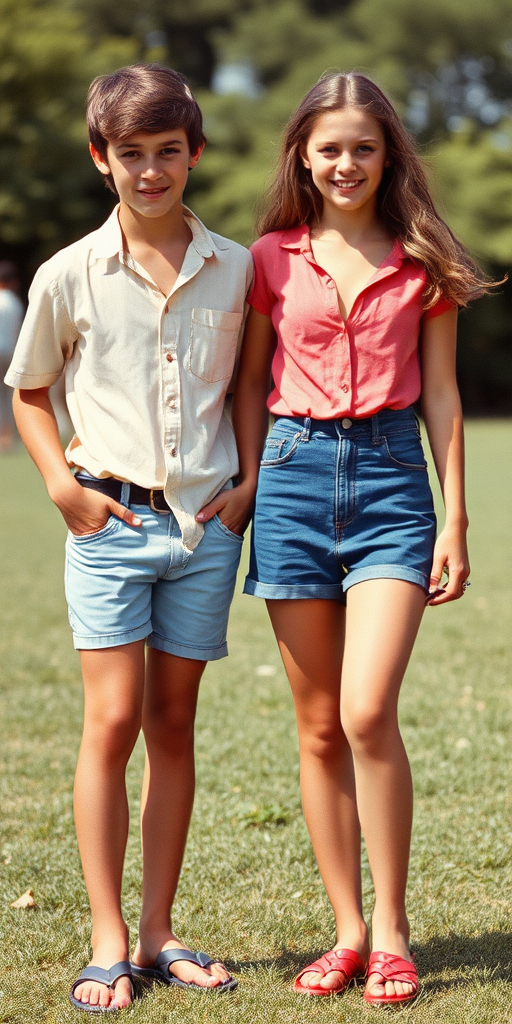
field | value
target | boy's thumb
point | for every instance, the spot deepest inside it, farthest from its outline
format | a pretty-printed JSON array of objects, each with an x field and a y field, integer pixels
[
  {"x": 208, "y": 511},
  {"x": 124, "y": 513}
]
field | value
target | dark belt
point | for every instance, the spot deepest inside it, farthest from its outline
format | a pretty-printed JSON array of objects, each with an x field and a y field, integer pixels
[{"x": 137, "y": 495}]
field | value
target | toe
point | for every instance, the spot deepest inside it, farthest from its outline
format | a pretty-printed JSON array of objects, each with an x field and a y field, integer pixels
[
  {"x": 219, "y": 971},
  {"x": 123, "y": 993}
]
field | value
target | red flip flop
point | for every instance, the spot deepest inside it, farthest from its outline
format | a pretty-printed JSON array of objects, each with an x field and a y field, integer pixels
[
  {"x": 349, "y": 963},
  {"x": 392, "y": 968}
]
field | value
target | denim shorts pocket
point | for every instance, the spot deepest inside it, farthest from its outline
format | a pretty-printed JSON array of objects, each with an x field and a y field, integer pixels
[
  {"x": 225, "y": 529},
  {"x": 279, "y": 450},
  {"x": 405, "y": 450},
  {"x": 111, "y": 524}
]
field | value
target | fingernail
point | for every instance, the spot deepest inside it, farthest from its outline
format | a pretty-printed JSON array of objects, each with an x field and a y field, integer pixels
[
  {"x": 136, "y": 521},
  {"x": 200, "y": 515}
]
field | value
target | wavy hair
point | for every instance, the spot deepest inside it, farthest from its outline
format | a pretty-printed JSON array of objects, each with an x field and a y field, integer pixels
[{"x": 404, "y": 203}]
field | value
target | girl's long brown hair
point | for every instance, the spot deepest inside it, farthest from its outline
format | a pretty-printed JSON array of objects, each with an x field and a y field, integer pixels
[{"x": 404, "y": 202}]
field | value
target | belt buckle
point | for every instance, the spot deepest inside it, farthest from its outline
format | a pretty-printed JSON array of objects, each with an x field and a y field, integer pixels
[{"x": 160, "y": 511}]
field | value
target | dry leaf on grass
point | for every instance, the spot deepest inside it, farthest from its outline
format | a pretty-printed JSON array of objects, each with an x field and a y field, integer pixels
[{"x": 24, "y": 902}]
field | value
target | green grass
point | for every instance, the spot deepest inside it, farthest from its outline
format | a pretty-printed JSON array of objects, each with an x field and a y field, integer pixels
[{"x": 250, "y": 890}]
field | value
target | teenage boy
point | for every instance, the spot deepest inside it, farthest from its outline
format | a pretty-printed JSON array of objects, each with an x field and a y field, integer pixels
[{"x": 143, "y": 316}]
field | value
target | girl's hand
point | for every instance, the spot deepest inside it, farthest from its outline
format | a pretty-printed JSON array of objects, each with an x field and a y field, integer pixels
[
  {"x": 450, "y": 555},
  {"x": 234, "y": 508}
]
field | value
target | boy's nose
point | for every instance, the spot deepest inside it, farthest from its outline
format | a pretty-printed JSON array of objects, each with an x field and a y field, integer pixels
[{"x": 152, "y": 172}]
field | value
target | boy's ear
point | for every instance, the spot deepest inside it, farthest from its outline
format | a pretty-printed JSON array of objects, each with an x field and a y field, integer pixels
[
  {"x": 99, "y": 160},
  {"x": 194, "y": 157}
]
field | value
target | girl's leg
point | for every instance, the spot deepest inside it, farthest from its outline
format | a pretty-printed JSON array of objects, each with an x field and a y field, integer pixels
[
  {"x": 170, "y": 701},
  {"x": 113, "y": 686},
  {"x": 383, "y": 617},
  {"x": 310, "y": 637}
]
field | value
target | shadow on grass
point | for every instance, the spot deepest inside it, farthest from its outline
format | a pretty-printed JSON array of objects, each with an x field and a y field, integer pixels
[{"x": 490, "y": 953}]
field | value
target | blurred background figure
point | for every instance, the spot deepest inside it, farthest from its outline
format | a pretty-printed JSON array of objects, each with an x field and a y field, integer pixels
[{"x": 11, "y": 316}]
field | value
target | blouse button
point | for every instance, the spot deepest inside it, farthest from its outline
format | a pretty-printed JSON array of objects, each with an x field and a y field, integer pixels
[
  {"x": 346, "y": 423},
  {"x": 344, "y": 387},
  {"x": 166, "y": 309},
  {"x": 169, "y": 357}
]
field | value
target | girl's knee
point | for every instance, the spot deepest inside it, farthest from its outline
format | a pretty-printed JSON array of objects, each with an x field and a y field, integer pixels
[
  {"x": 369, "y": 729},
  {"x": 171, "y": 726},
  {"x": 113, "y": 731},
  {"x": 323, "y": 740}
]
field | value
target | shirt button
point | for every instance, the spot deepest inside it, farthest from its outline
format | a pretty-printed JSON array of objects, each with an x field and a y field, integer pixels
[
  {"x": 173, "y": 452},
  {"x": 166, "y": 309},
  {"x": 346, "y": 424},
  {"x": 172, "y": 403},
  {"x": 169, "y": 357},
  {"x": 344, "y": 387}
]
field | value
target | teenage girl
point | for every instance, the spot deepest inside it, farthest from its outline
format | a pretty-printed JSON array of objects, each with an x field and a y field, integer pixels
[{"x": 354, "y": 311}]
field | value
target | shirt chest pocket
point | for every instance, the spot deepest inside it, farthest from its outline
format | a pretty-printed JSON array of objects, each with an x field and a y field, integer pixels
[{"x": 213, "y": 342}]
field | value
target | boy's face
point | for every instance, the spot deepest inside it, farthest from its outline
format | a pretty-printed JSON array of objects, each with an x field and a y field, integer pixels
[{"x": 149, "y": 171}]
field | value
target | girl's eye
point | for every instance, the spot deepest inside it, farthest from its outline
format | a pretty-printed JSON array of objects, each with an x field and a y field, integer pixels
[{"x": 365, "y": 149}]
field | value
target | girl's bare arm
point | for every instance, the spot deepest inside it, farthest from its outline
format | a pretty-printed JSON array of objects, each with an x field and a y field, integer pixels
[{"x": 442, "y": 413}]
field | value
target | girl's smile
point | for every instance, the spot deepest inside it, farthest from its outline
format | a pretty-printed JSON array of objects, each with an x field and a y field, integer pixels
[{"x": 346, "y": 155}]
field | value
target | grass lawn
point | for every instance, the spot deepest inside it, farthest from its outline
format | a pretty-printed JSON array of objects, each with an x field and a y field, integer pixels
[{"x": 250, "y": 891}]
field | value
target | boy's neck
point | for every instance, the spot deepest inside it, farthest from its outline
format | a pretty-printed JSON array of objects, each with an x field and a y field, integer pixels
[{"x": 155, "y": 232}]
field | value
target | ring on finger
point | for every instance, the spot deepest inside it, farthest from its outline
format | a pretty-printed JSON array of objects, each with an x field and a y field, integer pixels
[{"x": 465, "y": 586}]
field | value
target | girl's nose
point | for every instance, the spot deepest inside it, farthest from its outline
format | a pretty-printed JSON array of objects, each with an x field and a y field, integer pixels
[{"x": 345, "y": 162}]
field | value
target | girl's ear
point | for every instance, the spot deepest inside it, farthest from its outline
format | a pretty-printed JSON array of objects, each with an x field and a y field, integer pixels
[{"x": 303, "y": 156}]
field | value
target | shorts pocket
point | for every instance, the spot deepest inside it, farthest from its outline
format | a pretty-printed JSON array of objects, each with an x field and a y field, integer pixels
[
  {"x": 111, "y": 524},
  {"x": 225, "y": 529},
  {"x": 279, "y": 450},
  {"x": 213, "y": 343},
  {"x": 405, "y": 450}
]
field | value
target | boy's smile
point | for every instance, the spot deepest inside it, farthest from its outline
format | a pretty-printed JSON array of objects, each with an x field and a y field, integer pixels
[{"x": 149, "y": 171}]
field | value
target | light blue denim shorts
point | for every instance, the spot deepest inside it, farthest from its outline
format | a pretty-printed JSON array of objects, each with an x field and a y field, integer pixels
[
  {"x": 339, "y": 502},
  {"x": 127, "y": 583}
]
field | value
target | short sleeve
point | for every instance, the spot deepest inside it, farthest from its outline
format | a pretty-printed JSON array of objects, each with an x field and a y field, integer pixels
[
  {"x": 46, "y": 338},
  {"x": 442, "y": 306},
  {"x": 261, "y": 296}
]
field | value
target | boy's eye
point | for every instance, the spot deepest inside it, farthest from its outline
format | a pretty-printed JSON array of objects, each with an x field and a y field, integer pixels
[
  {"x": 129, "y": 154},
  {"x": 169, "y": 150}
]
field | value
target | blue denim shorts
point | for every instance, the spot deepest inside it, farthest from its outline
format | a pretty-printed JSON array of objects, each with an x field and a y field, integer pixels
[
  {"x": 339, "y": 502},
  {"x": 127, "y": 583}
]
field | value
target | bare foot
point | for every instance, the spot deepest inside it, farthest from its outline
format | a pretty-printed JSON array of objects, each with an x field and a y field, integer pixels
[
  {"x": 207, "y": 977},
  {"x": 96, "y": 994},
  {"x": 396, "y": 943},
  {"x": 334, "y": 980}
]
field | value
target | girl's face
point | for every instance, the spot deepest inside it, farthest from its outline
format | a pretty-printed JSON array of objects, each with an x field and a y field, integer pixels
[{"x": 346, "y": 155}]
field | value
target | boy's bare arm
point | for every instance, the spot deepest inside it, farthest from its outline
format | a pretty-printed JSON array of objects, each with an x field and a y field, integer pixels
[
  {"x": 84, "y": 510},
  {"x": 250, "y": 423}
]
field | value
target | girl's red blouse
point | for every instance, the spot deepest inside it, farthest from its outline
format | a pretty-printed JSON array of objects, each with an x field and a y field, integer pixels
[{"x": 326, "y": 367}]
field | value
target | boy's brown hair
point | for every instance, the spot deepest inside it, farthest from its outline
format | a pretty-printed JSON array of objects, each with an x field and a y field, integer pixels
[{"x": 141, "y": 98}]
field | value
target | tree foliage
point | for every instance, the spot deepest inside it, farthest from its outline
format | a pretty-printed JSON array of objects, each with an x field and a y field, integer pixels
[{"x": 447, "y": 65}]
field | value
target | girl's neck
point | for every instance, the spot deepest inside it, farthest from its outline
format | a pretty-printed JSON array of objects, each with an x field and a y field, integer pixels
[{"x": 354, "y": 227}]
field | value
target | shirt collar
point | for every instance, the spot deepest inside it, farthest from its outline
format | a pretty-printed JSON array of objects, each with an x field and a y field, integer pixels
[
  {"x": 298, "y": 239},
  {"x": 108, "y": 239}
]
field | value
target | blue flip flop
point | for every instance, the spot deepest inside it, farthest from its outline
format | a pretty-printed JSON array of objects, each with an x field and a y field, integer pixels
[
  {"x": 159, "y": 972},
  {"x": 123, "y": 969}
]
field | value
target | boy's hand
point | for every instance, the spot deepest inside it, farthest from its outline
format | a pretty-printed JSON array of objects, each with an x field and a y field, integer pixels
[
  {"x": 87, "y": 511},
  {"x": 233, "y": 507}
]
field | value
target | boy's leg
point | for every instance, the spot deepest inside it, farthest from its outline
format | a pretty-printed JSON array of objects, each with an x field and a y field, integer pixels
[
  {"x": 113, "y": 687},
  {"x": 170, "y": 700}
]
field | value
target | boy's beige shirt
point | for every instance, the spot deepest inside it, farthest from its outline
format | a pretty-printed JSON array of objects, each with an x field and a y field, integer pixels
[{"x": 146, "y": 375}]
